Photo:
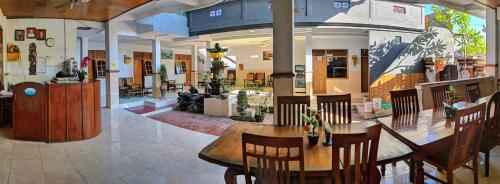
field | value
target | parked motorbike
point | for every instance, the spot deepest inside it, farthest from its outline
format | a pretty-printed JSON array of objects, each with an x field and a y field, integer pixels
[{"x": 186, "y": 100}]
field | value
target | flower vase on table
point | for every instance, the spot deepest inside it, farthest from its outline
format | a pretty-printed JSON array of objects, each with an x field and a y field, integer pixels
[{"x": 312, "y": 123}]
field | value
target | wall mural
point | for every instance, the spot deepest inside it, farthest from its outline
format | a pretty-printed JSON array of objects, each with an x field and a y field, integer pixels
[{"x": 32, "y": 59}]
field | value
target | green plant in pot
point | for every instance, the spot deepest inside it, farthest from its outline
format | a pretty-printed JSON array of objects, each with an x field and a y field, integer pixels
[
  {"x": 242, "y": 102},
  {"x": 312, "y": 123},
  {"x": 163, "y": 79},
  {"x": 449, "y": 109}
]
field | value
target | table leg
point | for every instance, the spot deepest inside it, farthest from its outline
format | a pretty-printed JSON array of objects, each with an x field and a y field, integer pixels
[
  {"x": 230, "y": 176},
  {"x": 419, "y": 164},
  {"x": 412, "y": 170}
]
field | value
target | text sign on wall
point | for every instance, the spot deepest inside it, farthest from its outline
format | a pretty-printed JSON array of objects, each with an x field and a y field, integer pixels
[
  {"x": 399, "y": 9},
  {"x": 215, "y": 13},
  {"x": 342, "y": 4}
]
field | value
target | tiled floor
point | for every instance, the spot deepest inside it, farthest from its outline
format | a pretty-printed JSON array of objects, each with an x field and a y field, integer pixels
[{"x": 135, "y": 149}]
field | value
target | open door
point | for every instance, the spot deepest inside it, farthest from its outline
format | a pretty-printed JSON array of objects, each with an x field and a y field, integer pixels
[
  {"x": 319, "y": 72},
  {"x": 138, "y": 70},
  {"x": 365, "y": 72}
]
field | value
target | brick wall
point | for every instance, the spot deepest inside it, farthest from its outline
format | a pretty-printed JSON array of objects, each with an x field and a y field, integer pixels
[{"x": 381, "y": 87}]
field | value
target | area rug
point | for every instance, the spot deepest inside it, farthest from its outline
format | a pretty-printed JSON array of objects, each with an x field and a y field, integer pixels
[
  {"x": 199, "y": 122},
  {"x": 142, "y": 109}
]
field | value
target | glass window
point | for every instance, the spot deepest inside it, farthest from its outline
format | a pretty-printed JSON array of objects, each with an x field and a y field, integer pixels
[
  {"x": 180, "y": 67},
  {"x": 148, "y": 68},
  {"x": 337, "y": 64},
  {"x": 101, "y": 68}
]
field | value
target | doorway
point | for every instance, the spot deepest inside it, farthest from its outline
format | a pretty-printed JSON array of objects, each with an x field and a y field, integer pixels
[
  {"x": 319, "y": 72},
  {"x": 365, "y": 72},
  {"x": 138, "y": 69}
]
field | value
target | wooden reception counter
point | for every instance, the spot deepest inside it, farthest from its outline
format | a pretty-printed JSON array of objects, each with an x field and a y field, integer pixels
[{"x": 57, "y": 112}]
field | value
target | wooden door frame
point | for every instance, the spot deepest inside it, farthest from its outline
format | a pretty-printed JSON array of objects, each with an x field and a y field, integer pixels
[{"x": 368, "y": 71}]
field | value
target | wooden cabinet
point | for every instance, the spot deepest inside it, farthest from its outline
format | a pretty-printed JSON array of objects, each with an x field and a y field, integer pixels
[{"x": 30, "y": 111}]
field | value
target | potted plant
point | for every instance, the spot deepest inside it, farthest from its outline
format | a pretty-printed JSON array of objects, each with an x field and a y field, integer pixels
[
  {"x": 163, "y": 79},
  {"x": 242, "y": 101},
  {"x": 449, "y": 109},
  {"x": 312, "y": 123}
]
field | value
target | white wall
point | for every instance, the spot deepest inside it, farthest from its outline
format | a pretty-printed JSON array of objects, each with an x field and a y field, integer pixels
[
  {"x": 3, "y": 49},
  {"x": 64, "y": 34}
]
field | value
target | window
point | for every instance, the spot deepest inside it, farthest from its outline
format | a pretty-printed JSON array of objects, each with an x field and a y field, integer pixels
[
  {"x": 337, "y": 64},
  {"x": 148, "y": 68},
  {"x": 180, "y": 67},
  {"x": 100, "y": 68},
  {"x": 397, "y": 39}
]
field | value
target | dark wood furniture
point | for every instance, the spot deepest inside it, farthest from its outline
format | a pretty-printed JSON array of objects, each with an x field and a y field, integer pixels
[
  {"x": 468, "y": 127},
  {"x": 30, "y": 123},
  {"x": 171, "y": 86},
  {"x": 6, "y": 109},
  {"x": 269, "y": 158},
  {"x": 335, "y": 109},
  {"x": 270, "y": 81},
  {"x": 226, "y": 150},
  {"x": 491, "y": 130},
  {"x": 58, "y": 112},
  {"x": 426, "y": 133},
  {"x": 291, "y": 108},
  {"x": 364, "y": 167},
  {"x": 404, "y": 102},
  {"x": 260, "y": 79},
  {"x": 473, "y": 92},
  {"x": 440, "y": 95}
]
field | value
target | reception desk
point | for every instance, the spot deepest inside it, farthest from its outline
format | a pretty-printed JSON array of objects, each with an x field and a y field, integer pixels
[
  {"x": 487, "y": 86},
  {"x": 57, "y": 112}
]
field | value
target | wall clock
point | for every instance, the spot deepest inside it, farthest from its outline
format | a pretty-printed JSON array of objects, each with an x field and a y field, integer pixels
[{"x": 50, "y": 42}]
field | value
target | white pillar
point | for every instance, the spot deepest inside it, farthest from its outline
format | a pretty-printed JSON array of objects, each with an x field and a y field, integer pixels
[
  {"x": 84, "y": 48},
  {"x": 309, "y": 62},
  {"x": 194, "y": 65},
  {"x": 208, "y": 63},
  {"x": 156, "y": 67},
  {"x": 112, "y": 69},
  {"x": 491, "y": 42},
  {"x": 283, "y": 48}
]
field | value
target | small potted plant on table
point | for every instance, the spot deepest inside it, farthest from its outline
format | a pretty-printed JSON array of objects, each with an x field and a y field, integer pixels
[{"x": 312, "y": 123}]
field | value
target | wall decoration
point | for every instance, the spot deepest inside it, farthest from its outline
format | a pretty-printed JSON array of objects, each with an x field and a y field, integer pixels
[
  {"x": 167, "y": 54},
  {"x": 300, "y": 76},
  {"x": 354, "y": 60},
  {"x": 241, "y": 67},
  {"x": 32, "y": 59},
  {"x": 267, "y": 55},
  {"x": 41, "y": 34},
  {"x": 41, "y": 65},
  {"x": 19, "y": 35},
  {"x": 31, "y": 32},
  {"x": 127, "y": 59},
  {"x": 399, "y": 9},
  {"x": 50, "y": 42},
  {"x": 13, "y": 52}
]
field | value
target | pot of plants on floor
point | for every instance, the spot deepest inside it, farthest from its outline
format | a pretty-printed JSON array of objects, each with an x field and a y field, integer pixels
[
  {"x": 259, "y": 116},
  {"x": 312, "y": 123}
]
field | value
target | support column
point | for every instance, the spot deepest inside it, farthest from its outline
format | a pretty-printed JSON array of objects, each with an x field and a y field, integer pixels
[
  {"x": 194, "y": 65},
  {"x": 491, "y": 43},
  {"x": 156, "y": 68},
  {"x": 84, "y": 48},
  {"x": 309, "y": 62},
  {"x": 283, "y": 48},
  {"x": 208, "y": 63},
  {"x": 112, "y": 69}
]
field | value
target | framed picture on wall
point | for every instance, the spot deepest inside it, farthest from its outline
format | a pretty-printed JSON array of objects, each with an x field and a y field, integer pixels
[
  {"x": 167, "y": 54},
  {"x": 41, "y": 34},
  {"x": 31, "y": 32},
  {"x": 241, "y": 67},
  {"x": 267, "y": 55},
  {"x": 19, "y": 35}
]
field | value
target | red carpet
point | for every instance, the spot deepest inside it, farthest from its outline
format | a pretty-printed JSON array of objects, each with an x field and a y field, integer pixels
[
  {"x": 199, "y": 122},
  {"x": 146, "y": 109}
]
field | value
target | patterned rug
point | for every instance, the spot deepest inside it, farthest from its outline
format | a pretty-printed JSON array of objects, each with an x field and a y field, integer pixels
[{"x": 199, "y": 122}]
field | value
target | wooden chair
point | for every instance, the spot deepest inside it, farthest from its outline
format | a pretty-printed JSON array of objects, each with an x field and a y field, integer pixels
[
  {"x": 498, "y": 83},
  {"x": 171, "y": 85},
  {"x": 270, "y": 81},
  {"x": 404, "y": 102},
  {"x": 360, "y": 166},
  {"x": 466, "y": 138},
  {"x": 473, "y": 91},
  {"x": 440, "y": 95},
  {"x": 269, "y": 158},
  {"x": 491, "y": 128},
  {"x": 260, "y": 79},
  {"x": 335, "y": 109},
  {"x": 291, "y": 108}
]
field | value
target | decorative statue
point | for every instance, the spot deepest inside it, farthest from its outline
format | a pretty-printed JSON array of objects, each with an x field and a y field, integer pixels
[
  {"x": 32, "y": 59},
  {"x": 216, "y": 54}
]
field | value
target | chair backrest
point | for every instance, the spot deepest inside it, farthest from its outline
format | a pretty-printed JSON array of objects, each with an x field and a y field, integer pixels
[
  {"x": 492, "y": 123},
  {"x": 473, "y": 91},
  {"x": 250, "y": 76},
  {"x": 469, "y": 125},
  {"x": 171, "y": 82},
  {"x": 404, "y": 102},
  {"x": 291, "y": 109},
  {"x": 269, "y": 158},
  {"x": 123, "y": 82},
  {"x": 363, "y": 163},
  {"x": 440, "y": 95},
  {"x": 260, "y": 76},
  {"x": 335, "y": 109}
]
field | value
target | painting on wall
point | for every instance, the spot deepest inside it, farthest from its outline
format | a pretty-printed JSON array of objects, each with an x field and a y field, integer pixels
[
  {"x": 31, "y": 32},
  {"x": 267, "y": 55},
  {"x": 19, "y": 35},
  {"x": 167, "y": 54},
  {"x": 41, "y": 34},
  {"x": 241, "y": 67}
]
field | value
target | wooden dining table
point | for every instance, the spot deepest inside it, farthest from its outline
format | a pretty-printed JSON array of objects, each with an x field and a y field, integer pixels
[
  {"x": 227, "y": 149},
  {"x": 426, "y": 133}
]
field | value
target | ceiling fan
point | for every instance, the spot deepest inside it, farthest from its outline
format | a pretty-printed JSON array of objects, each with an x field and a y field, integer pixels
[{"x": 70, "y": 4}]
